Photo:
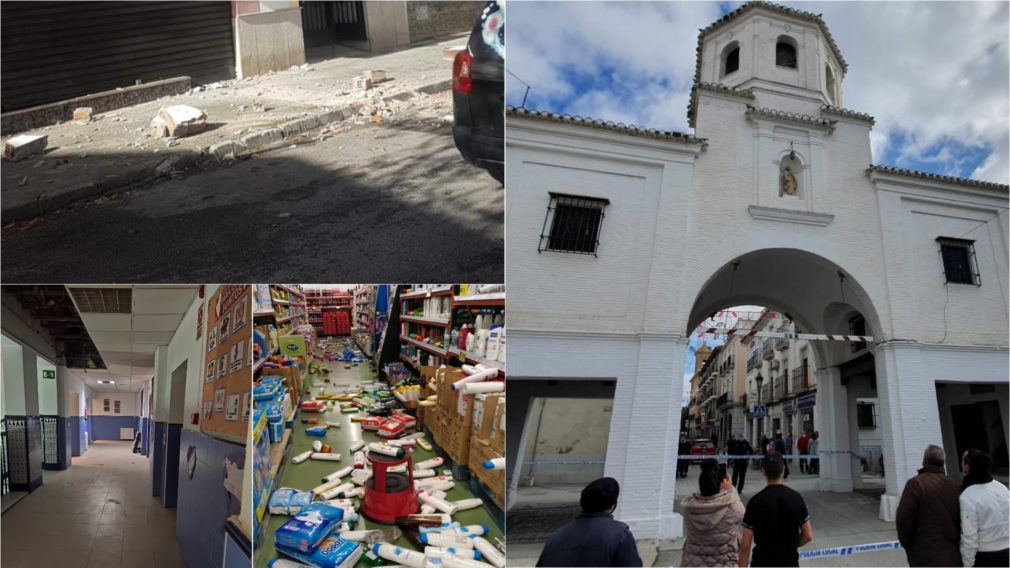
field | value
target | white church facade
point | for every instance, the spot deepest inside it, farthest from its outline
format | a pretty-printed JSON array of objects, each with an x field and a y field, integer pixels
[{"x": 621, "y": 240}]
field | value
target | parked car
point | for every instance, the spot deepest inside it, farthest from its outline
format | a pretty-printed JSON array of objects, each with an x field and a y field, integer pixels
[
  {"x": 478, "y": 93},
  {"x": 702, "y": 447}
]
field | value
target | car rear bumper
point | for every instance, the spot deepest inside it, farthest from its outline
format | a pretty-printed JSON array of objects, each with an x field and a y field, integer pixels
[{"x": 478, "y": 149}]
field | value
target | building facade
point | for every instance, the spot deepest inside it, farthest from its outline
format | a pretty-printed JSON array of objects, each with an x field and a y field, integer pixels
[{"x": 611, "y": 266}]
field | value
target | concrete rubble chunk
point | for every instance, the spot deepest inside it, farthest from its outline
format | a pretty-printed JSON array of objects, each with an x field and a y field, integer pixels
[
  {"x": 377, "y": 75},
  {"x": 159, "y": 128},
  {"x": 24, "y": 145},
  {"x": 362, "y": 83},
  {"x": 183, "y": 120},
  {"x": 82, "y": 115}
]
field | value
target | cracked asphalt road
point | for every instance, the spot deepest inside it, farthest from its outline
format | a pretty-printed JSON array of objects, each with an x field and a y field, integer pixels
[{"x": 387, "y": 202}]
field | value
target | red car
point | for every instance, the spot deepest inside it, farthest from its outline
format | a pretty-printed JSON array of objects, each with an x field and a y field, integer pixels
[{"x": 702, "y": 447}]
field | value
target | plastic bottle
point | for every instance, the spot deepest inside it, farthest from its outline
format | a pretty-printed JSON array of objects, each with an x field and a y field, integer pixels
[
  {"x": 285, "y": 563},
  {"x": 338, "y": 474},
  {"x": 301, "y": 457},
  {"x": 399, "y": 554},
  {"x": 470, "y": 553},
  {"x": 464, "y": 504},
  {"x": 438, "y": 503},
  {"x": 488, "y": 550},
  {"x": 357, "y": 446},
  {"x": 359, "y": 460},
  {"x": 494, "y": 464},
  {"x": 432, "y": 481},
  {"x": 325, "y": 457},
  {"x": 317, "y": 446},
  {"x": 385, "y": 449},
  {"x": 463, "y": 333},
  {"x": 428, "y": 464},
  {"x": 323, "y": 488},
  {"x": 446, "y": 539},
  {"x": 338, "y": 490},
  {"x": 453, "y": 561},
  {"x": 422, "y": 473}
]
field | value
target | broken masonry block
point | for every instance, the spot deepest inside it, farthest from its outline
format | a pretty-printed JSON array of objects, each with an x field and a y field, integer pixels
[
  {"x": 362, "y": 83},
  {"x": 24, "y": 145},
  {"x": 82, "y": 115},
  {"x": 183, "y": 120},
  {"x": 377, "y": 75}
]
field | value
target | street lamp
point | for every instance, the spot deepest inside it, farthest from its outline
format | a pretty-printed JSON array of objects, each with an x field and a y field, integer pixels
[{"x": 759, "y": 379}]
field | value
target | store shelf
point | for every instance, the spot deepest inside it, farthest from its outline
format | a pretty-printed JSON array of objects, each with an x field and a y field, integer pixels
[
  {"x": 258, "y": 364},
  {"x": 263, "y": 314},
  {"x": 427, "y": 321},
  {"x": 425, "y": 346},
  {"x": 500, "y": 365},
  {"x": 289, "y": 289},
  {"x": 493, "y": 299},
  {"x": 277, "y": 453},
  {"x": 444, "y": 291},
  {"x": 276, "y": 301}
]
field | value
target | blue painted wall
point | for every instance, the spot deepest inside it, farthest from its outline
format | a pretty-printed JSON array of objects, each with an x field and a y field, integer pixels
[
  {"x": 158, "y": 459},
  {"x": 170, "y": 483},
  {"x": 203, "y": 502},
  {"x": 107, "y": 427},
  {"x": 74, "y": 435},
  {"x": 63, "y": 423},
  {"x": 145, "y": 434},
  {"x": 86, "y": 429}
]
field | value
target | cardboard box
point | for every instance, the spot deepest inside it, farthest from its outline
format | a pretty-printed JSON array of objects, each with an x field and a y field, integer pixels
[{"x": 492, "y": 480}]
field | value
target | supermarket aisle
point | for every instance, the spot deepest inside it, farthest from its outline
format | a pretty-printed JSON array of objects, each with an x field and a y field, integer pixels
[
  {"x": 306, "y": 475},
  {"x": 98, "y": 513}
]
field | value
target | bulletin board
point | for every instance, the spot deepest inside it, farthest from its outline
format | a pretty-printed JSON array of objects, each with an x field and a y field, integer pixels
[{"x": 227, "y": 373}]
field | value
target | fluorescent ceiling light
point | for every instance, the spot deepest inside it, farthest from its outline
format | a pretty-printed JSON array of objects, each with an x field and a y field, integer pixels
[{"x": 106, "y": 382}]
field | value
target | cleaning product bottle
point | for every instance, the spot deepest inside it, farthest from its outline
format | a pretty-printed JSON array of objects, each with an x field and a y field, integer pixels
[
  {"x": 489, "y": 552},
  {"x": 399, "y": 554},
  {"x": 463, "y": 334},
  {"x": 464, "y": 504}
]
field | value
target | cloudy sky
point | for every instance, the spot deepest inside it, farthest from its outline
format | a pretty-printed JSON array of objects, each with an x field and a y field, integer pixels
[{"x": 933, "y": 74}]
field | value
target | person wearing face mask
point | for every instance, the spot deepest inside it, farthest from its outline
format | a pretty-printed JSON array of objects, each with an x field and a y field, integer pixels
[
  {"x": 594, "y": 538},
  {"x": 711, "y": 518}
]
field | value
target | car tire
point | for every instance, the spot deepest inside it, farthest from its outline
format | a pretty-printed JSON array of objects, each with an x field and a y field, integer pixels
[{"x": 497, "y": 171}]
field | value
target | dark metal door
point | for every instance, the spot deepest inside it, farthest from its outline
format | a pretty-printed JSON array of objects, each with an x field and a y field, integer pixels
[
  {"x": 327, "y": 23},
  {"x": 5, "y": 466},
  {"x": 58, "y": 50},
  {"x": 51, "y": 440}
]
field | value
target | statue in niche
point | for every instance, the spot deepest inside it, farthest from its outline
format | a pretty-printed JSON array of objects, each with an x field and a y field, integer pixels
[{"x": 789, "y": 183}]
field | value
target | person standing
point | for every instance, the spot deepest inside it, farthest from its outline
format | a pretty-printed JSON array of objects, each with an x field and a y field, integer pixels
[
  {"x": 594, "y": 538},
  {"x": 740, "y": 465},
  {"x": 780, "y": 447},
  {"x": 928, "y": 516},
  {"x": 683, "y": 450},
  {"x": 969, "y": 479},
  {"x": 711, "y": 517},
  {"x": 776, "y": 521},
  {"x": 789, "y": 447},
  {"x": 802, "y": 445},
  {"x": 814, "y": 467},
  {"x": 985, "y": 516}
]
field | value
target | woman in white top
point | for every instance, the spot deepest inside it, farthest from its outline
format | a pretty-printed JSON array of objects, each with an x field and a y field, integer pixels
[{"x": 985, "y": 516}]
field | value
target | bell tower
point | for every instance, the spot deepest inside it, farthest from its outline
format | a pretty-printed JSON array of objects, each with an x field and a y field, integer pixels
[{"x": 786, "y": 57}]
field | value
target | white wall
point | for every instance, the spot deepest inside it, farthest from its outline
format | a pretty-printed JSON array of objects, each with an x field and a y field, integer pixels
[
  {"x": 128, "y": 404},
  {"x": 176, "y": 403},
  {"x": 73, "y": 384},
  {"x": 48, "y": 391},
  {"x": 13, "y": 378}
]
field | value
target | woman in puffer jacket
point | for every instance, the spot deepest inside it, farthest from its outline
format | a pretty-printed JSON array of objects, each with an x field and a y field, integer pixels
[{"x": 712, "y": 519}]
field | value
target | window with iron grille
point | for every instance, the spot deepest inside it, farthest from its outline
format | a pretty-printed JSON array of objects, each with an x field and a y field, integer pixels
[
  {"x": 572, "y": 224},
  {"x": 865, "y": 416},
  {"x": 857, "y": 326},
  {"x": 959, "y": 263}
]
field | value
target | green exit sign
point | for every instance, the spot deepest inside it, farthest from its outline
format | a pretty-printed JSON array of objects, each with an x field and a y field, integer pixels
[{"x": 48, "y": 373}]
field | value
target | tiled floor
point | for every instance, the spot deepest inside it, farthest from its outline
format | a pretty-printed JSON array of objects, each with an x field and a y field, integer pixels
[{"x": 98, "y": 513}]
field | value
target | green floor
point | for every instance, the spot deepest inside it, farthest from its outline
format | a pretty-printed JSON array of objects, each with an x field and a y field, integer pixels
[{"x": 309, "y": 474}]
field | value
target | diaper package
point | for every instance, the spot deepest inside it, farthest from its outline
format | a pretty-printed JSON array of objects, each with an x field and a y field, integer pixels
[
  {"x": 287, "y": 501},
  {"x": 332, "y": 552},
  {"x": 309, "y": 527}
]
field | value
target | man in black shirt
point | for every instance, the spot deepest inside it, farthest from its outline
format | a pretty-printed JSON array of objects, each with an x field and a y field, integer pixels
[
  {"x": 594, "y": 538},
  {"x": 776, "y": 521}
]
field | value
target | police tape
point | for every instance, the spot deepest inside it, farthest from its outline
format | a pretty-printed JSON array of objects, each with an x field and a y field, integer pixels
[
  {"x": 722, "y": 457},
  {"x": 849, "y": 550}
]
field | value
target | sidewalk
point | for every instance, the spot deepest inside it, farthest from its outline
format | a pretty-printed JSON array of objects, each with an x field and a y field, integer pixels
[
  {"x": 839, "y": 519},
  {"x": 117, "y": 149}
]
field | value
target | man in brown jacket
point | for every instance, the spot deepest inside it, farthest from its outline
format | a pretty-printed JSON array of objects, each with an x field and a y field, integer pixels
[{"x": 928, "y": 519}]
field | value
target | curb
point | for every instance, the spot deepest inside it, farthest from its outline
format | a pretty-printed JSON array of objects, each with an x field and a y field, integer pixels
[{"x": 248, "y": 144}]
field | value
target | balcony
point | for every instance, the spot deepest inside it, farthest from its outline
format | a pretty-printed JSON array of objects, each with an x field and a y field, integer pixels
[
  {"x": 774, "y": 365},
  {"x": 768, "y": 352},
  {"x": 753, "y": 361},
  {"x": 799, "y": 379},
  {"x": 781, "y": 343},
  {"x": 766, "y": 392},
  {"x": 779, "y": 389}
]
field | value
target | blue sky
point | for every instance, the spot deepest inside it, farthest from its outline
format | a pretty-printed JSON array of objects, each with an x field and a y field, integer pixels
[{"x": 935, "y": 75}]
